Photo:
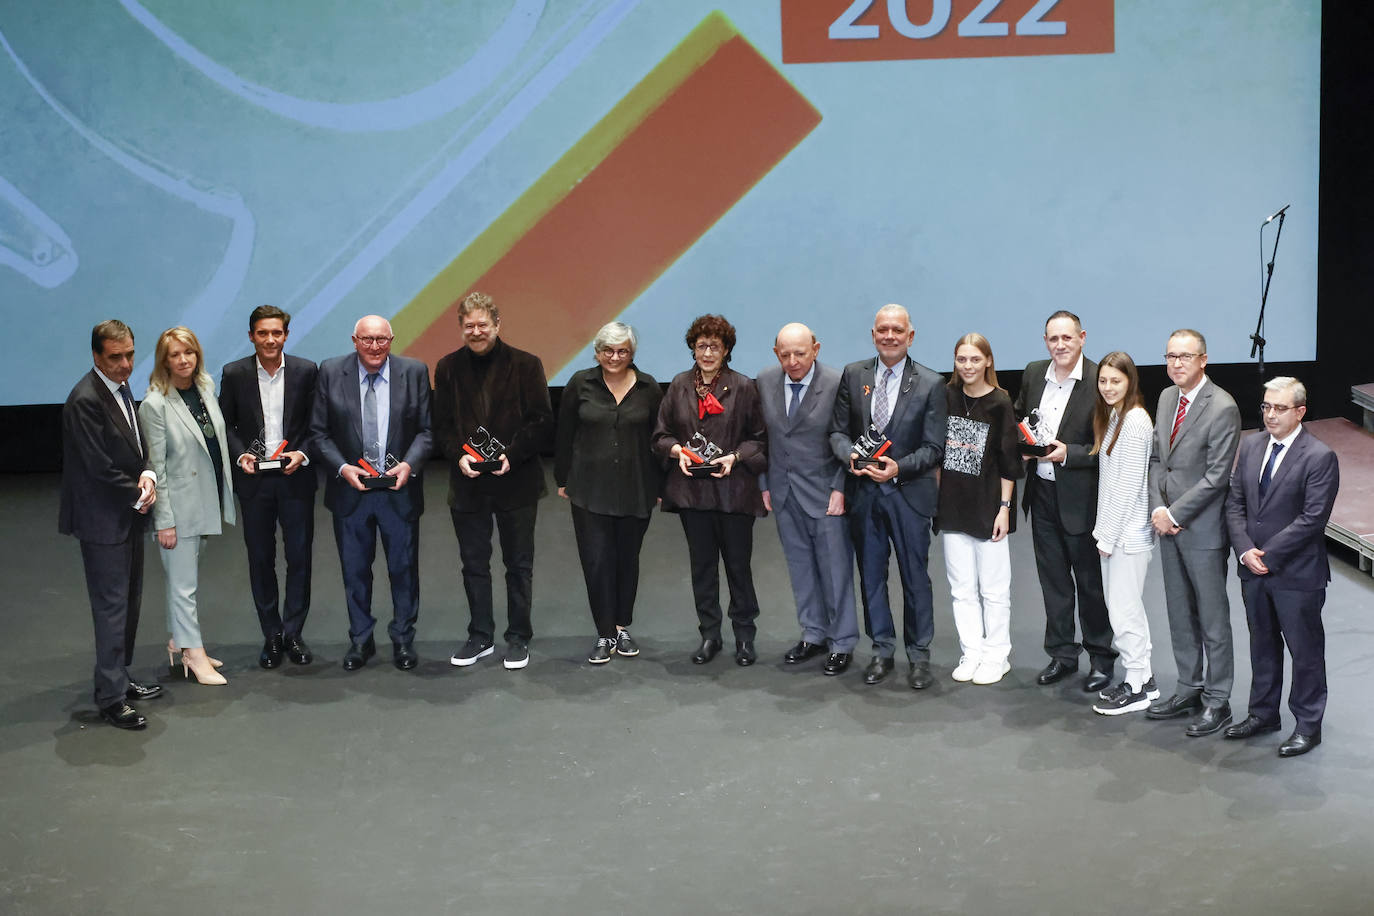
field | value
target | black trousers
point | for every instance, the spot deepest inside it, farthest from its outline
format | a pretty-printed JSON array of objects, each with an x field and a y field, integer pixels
[
  {"x": 114, "y": 582},
  {"x": 515, "y": 528},
  {"x": 608, "y": 546},
  {"x": 356, "y": 535},
  {"x": 273, "y": 506},
  {"x": 1069, "y": 564},
  {"x": 712, "y": 537},
  {"x": 1278, "y": 617}
]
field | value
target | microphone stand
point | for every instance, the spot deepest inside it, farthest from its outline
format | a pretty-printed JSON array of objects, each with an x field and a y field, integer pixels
[{"x": 1257, "y": 339}]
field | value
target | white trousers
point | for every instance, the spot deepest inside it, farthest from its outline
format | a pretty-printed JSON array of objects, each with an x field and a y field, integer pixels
[
  {"x": 1123, "y": 583},
  {"x": 980, "y": 585},
  {"x": 181, "y": 565}
]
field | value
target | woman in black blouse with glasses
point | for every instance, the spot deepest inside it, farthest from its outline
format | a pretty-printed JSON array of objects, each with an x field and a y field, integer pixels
[{"x": 604, "y": 467}]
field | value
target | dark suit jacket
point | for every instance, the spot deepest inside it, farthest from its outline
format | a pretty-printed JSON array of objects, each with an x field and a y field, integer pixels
[
  {"x": 1190, "y": 477},
  {"x": 1076, "y": 479},
  {"x": 101, "y": 464},
  {"x": 512, "y": 402},
  {"x": 801, "y": 466},
  {"x": 241, "y": 404},
  {"x": 916, "y": 430},
  {"x": 336, "y": 430},
  {"x": 1289, "y": 525}
]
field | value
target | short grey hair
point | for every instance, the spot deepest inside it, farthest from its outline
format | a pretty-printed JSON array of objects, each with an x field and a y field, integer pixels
[
  {"x": 1288, "y": 383},
  {"x": 615, "y": 334}
]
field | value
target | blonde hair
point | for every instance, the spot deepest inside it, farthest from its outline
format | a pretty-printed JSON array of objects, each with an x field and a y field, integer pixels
[{"x": 161, "y": 378}]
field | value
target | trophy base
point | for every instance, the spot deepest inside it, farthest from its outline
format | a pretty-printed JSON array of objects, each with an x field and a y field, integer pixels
[
  {"x": 485, "y": 467},
  {"x": 269, "y": 465},
  {"x": 378, "y": 483},
  {"x": 866, "y": 463},
  {"x": 702, "y": 470},
  {"x": 1035, "y": 451}
]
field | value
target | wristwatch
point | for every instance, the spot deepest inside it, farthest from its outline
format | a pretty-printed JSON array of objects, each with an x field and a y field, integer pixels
[{"x": 1006, "y": 504}]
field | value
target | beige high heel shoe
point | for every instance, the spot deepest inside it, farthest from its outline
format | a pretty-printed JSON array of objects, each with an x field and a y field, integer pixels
[
  {"x": 172, "y": 650},
  {"x": 200, "y": 666}
]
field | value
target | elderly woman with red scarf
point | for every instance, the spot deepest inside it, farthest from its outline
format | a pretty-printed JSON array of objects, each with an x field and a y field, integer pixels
[{"x": 710, "y": 416}]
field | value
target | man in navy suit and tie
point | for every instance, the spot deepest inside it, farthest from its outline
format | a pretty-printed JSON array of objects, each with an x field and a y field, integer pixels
[
  {"x": 1282, "y": 490},
  {"x": 892, "y": 501},
  {"x": 803, "y": 488},
  {"x": 107, "y": 490},
  {"x": 266, "y": 400},
  {"x": 372, "y": 413}
]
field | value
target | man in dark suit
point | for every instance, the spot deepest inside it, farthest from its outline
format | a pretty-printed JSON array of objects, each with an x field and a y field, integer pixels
[
  {"x": 1197, "y": 429},
  {"x": 803, "y": 488},
  {"x": 892, "y": 501},
  {"x": 372, "y": 413},
  {"x": 1280, "y": 499},
  {"x": 266, "y": 400},
  {"x": 489, "y": 384},
  {"x": 107, "y": 490},
  {"x": 1061, "y": 497}
]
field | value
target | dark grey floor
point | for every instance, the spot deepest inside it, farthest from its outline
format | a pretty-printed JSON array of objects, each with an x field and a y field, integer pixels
[{"x": 647, "y": 785}]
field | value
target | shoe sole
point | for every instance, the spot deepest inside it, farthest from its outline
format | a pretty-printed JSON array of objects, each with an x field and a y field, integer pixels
[
  {"x": 1150, "y": 695},
  {"x": 626, "y": 654},
  {"x": 515, "y": 665},
  {"x": 461, "y": 662},
  {"x": 962, "y": 680},
  {"x": 599, "y": 661},
  {"x": 1122, "y": 710},
  {"x": 987, "y": 683}
]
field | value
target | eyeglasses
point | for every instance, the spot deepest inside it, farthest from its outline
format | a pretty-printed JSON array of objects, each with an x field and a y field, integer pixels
[
  {"x": 1277, "y": 409},
  {"x": 1184, "y": 358},
  {"x": 615, "y": 352},
  {"x": 708, "y": 348},
  {"x": 373, "y": 341}
]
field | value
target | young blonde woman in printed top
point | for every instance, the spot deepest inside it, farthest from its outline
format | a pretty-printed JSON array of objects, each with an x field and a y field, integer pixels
[
  {"x": 1123, "y": 433},
  {"x": 977, "y": 492}
]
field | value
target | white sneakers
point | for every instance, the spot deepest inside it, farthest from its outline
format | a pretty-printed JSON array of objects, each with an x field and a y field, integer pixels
[
  {"x": 980, "y": 671},
  {"x": 963, "y": 673}
]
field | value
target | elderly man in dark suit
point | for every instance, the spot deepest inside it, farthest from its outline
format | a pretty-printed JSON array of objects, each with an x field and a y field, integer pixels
[
  {"x": 803, "y": 488},
  {"x": 491, "y": 385},
  {"x": 892, "y": 501},
  {"x": 1061, "y": 498},
  {"x": 1282, "y": 491},
  {"x": 372, "y": 413},
  {"x": 266, "y": 400},
  {"x": 107, "y": 490},
  {"x": 1197, "y": 429}
]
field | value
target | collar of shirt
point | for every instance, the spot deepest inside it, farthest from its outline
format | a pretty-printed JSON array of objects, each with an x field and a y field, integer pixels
[
  {"x": 805, "y": 382},
  {"x": 1286, "y": 441},
  {"x": 1076, "y": 374},
  {"x": 273, "y": 376},
  {"x": 1192, "y": 395},
  {"x": 384, "y": 373},
  {"x": 110, "y": 383}
]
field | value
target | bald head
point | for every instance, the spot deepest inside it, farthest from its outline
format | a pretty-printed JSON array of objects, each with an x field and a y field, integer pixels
[
  {"x": 796, "y": 349},
  {"x": 372, "y": 339}
]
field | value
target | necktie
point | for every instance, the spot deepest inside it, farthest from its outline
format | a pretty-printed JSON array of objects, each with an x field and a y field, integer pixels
[
  {"x": 882, "y": 411},
  {"x": 1178, "y": 417},
  {"x": 1269, "y": 469},
  {"x": 371, "y": 447},
  {"x": 127, "y": 398},
  {"x": 796, "y": 397}
]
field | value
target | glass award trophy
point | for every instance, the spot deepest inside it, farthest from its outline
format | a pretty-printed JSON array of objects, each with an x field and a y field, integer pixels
[
  {"x": 1035, "y": 435},
  {"x": 264, "y": 463},
  {"x": 377, "y": 479},
  {"x": 869, "y": 447},
  {"x": 701, "y": 452},
  {"x": 485, "y": 450}
]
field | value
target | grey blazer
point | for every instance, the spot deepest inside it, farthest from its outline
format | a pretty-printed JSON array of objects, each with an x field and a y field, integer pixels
[
  {"x": 178, "y": 455},
  {"x": 801, "y": 465},
  {"x": 1191, "y": 477}
]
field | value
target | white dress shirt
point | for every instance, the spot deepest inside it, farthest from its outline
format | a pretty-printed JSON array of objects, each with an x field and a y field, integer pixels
[{"x": 1053, "y": 401}]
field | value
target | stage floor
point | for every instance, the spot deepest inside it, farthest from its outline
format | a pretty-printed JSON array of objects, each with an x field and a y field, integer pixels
[{"x": 646, "y": 785}]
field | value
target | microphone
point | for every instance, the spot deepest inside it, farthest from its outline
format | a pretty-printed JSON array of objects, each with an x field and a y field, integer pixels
[{"x": 1276, "y": 215}]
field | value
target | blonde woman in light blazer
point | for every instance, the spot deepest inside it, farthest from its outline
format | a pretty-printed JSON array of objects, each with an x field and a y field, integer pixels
[{"x": 190, "y": 455}]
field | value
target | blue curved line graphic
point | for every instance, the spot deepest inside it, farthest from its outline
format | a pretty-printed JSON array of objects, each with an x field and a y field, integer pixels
[
  {"x": 418, "y": 107},
  {"x": 31, "y": 241}
]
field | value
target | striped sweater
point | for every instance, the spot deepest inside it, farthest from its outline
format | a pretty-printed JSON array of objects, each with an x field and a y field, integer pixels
[{"x": 1123, "y": 498}]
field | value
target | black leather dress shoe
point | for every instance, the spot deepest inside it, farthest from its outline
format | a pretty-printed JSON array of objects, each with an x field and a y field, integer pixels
[
  {"x": 1295, "y": 745},
  {"x": 270, "y": 656},
  {"x": 837, "y": 663},
  {"x": 1211, "y": 720},
  {"x": 706, "y": 652},
  {"x": 358, "y": 654},
  {"x": 403, "y": 655},
  {"x": 919, "y": 678},
  {"x": 802, "y": 651},
  {"x": 298, "y": 651},
  {"x": 138, "y": 691},
  {"x": 1250, "y": 727},
  {"x": 1056, "y": 670},
  {"x": 1096, "y": 680},
  {"x": 877, "y": 670},
  {"x": 1174, "y": 707},
  {"x": 122, "y": 715},
  {"x": 744, "y": 653}
]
